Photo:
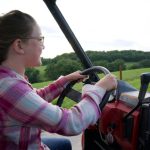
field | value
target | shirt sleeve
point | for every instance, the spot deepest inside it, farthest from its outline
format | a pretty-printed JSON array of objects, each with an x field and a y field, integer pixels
[
  {"x": 53, "y": 90},
  {"x": 22, "y": 103}
]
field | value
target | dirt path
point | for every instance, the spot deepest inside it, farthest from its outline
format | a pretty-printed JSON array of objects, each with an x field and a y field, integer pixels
[{"x": 75, "y": 140}]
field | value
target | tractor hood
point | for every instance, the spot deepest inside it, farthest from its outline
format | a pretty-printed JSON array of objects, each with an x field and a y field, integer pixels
[{"x": 131, "y": 98}]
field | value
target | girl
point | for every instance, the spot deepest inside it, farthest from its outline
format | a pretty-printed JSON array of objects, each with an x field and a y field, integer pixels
[{"x": 24, "y": 111}]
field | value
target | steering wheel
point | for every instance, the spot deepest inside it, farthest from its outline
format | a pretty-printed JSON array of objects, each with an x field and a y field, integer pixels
[{"x": 88, "y": 71}]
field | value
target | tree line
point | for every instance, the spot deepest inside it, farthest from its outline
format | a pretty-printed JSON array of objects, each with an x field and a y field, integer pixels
[{"x": 69, "y": 62}]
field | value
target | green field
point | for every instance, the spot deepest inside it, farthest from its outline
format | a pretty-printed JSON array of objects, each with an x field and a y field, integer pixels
[
  {"x": 130, "y": 76},
  {"x": 133, "y": 76}
]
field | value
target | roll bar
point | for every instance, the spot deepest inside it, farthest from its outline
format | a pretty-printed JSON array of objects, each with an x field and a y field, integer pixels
[{"x": 56, "y": 13}]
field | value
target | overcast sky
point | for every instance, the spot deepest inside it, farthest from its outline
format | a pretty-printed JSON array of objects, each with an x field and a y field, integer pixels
[{"x": 98, "y": 24}]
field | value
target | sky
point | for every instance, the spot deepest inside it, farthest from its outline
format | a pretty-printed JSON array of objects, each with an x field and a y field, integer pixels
[{"x": 99, "y": 25}]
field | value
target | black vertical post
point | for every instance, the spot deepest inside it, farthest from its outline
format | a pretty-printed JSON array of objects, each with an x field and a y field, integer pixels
[{"x": 51, "y": 4}]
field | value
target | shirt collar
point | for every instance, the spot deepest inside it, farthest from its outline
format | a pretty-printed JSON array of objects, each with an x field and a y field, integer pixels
[{"x": 8, "y": 72}]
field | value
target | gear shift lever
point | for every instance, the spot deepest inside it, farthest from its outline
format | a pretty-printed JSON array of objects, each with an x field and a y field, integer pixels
[{"x": 145, "y": 79}]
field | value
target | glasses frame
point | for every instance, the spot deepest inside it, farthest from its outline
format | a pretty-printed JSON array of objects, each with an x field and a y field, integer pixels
[{"x": 40, "y": 39}]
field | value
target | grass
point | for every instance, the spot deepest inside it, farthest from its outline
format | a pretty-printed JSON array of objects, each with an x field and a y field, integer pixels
[
  {"x": 130, "y": 76},
  {"x": 133, "y": 76}
]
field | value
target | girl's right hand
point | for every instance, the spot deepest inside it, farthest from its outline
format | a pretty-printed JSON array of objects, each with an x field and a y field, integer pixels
[{"x": 108, "y": 82}]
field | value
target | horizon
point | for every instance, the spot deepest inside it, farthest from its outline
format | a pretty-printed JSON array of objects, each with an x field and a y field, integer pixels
[{"x": 96, "y": 51}]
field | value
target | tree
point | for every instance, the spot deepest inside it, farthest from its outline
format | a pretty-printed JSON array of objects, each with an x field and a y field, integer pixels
[
  {"x": 61, "y": 67},
  {"x": 101, "y": 63},
  {"x": 145, "y": 63},
  {"x": 32, "y": 74},
  {"x": 45, "y": 61},
  {"x": 114, "y": 66}
]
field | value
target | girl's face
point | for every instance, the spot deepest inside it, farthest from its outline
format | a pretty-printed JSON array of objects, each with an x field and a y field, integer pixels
[{"x": 33, "y": 48}]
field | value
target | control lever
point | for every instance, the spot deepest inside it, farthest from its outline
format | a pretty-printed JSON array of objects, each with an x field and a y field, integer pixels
[{"x": 145, "y": 79}]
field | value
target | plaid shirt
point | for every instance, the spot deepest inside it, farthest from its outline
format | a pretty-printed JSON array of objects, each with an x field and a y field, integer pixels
[{"x": 24, "y": 111}]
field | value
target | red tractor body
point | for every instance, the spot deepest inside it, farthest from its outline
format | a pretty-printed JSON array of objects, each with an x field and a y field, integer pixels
[{"x": 124, "y": 131}]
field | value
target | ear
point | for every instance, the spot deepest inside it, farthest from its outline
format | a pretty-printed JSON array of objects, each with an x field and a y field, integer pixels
[{"x": 18, "y": 46}]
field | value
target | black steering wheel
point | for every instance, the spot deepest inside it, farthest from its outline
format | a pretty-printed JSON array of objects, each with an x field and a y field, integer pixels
[{"x": 88, "y": 71}]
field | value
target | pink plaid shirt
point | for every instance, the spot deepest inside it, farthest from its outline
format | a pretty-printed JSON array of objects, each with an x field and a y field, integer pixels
[{"x": 24, "y": 111}]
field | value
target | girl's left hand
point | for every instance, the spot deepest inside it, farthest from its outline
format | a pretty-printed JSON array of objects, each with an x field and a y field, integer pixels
[{"x": 75, "y": 76}]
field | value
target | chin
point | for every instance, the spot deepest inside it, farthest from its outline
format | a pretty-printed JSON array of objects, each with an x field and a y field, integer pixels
[
  {"x": 38, "y": 63},
  {"x": 35, "y": 63}
]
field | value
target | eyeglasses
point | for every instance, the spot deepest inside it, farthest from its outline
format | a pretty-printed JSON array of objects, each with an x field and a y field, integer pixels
[{"x": 40, "y": 39}]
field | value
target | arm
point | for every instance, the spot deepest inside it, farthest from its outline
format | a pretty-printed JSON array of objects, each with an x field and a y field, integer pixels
[
  {"x": 23, "y": 104},
  {"x": 53, "y": 90}
]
